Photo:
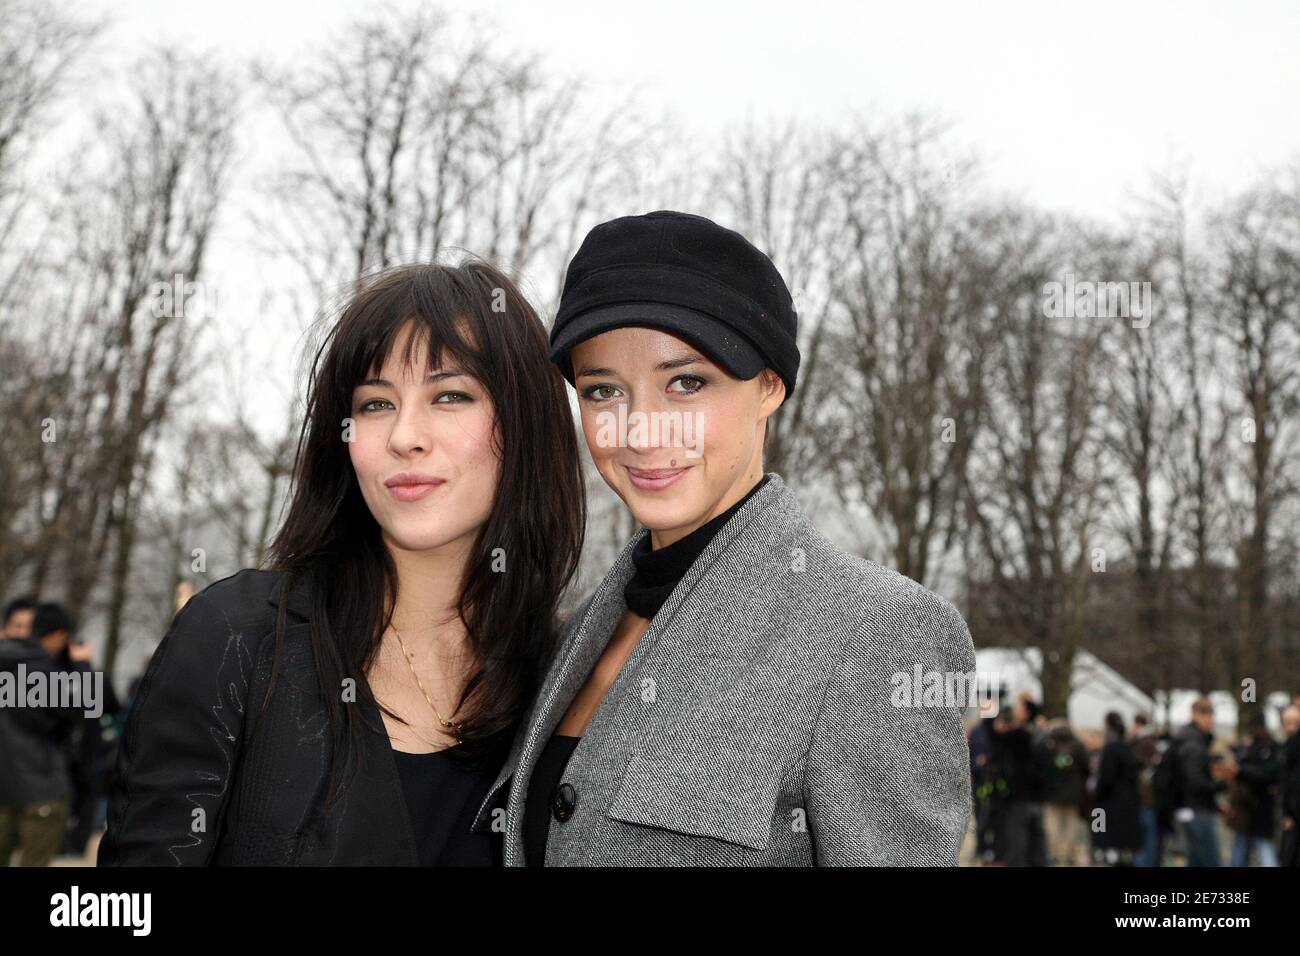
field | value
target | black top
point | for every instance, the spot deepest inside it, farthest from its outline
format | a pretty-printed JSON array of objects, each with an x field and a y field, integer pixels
[
  {"x": 542, "y": 795},
  {"x": 657, "y": 573},
  {"x": 442, "y": 796}
]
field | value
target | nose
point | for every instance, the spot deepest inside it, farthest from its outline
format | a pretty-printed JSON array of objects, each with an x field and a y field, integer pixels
[
  {"x": 647, "y": 427},
  {"x": 412, "y": 433}
]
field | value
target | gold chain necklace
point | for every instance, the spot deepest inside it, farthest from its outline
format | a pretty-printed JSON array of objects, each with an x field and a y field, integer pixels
[{"x": 453, "y": 726}]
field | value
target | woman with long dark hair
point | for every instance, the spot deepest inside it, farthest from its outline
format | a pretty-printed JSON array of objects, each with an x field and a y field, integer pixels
[
  {"x": 738, "y": 691},
  {"x": 349, "y": 703}
]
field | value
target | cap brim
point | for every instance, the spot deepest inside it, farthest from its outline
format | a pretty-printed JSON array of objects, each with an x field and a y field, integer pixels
[{"x": 723, "y": 345}]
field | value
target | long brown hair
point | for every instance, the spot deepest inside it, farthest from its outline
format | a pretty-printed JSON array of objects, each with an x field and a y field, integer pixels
[{"x": 475, "y": 314}]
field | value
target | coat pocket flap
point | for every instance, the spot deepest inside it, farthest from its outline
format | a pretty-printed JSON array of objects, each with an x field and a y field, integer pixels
[{"x": 702, "y": 789}]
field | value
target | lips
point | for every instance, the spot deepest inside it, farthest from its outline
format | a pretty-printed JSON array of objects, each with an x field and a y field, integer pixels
[
  {"x": 412, "y": 486},
  {"x": 655, "y": 479}
]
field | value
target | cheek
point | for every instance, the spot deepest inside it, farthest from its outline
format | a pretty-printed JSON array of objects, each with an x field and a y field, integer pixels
[
  {"x": 725, "y": 436},
  {"x": 473, "y": 438},
  {"x": 592, "y": 431},
  {"x": 368, "y": 448}
]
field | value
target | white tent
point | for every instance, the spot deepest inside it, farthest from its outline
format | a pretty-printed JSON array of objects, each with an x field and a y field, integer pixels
[{"x": 1097, "y": 688}]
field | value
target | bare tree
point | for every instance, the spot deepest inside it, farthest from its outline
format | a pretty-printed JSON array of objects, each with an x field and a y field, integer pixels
[
  {"x": 907, "y": 359},
  {"x": 1035, "y": 487},
  {"x": 139, "y": 221},
  {"x": 414, "y": 134},
  {"x": 1258, "y": 306},
  {"x": 39, "y": 50},
  {"x": 1188, "y": 369}
]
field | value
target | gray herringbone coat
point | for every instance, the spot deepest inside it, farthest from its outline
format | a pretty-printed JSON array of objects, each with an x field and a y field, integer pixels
[{"x": 753, "y": 723}]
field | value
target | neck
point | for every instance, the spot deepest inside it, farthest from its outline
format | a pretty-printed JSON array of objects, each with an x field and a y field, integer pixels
[{"x": 429, "y": 585}]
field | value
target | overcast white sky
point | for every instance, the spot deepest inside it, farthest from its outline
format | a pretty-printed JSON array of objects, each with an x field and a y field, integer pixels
[
  {"x": 1071, "y": 108},
  {"x": 1071, "y": 104}
]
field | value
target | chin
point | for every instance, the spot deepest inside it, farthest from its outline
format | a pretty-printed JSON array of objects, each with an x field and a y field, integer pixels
[
  {"x": 659, "y": 512},
  {"x": 423, "y": 539}
]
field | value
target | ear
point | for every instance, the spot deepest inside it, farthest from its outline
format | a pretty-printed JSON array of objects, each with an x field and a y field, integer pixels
[{"x": 773, "y": 392}]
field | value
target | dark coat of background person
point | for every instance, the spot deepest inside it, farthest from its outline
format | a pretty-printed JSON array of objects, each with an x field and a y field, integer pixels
[
  {"x": 33, "y": 753},
  {"x": 1023, "y": 762},
  {"x": 1197, "y": 788},
  {"x": 92, "y": 755},
  {"x": 197, "y": 740},
  {"x": 1118, "y": 770},
  {"x": 1021, "y": 839},
  {"x": 1290, "y": 851},
  {"x": 1065, "y": 768},
  {"x": 1252, "y": 796}
]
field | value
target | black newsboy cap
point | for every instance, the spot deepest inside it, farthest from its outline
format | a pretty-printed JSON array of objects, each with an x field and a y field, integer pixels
[{"x": 687, "y": 275}]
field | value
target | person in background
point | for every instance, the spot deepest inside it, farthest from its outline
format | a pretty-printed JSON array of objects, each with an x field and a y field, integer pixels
[
  {"x": 986, "y": 775},
  {"x": 1259, "y": 770},
  {"x": 34, "y": 782},
  {"x": 1202, "y": 782},
  {"x": 1024, "y": 843},
  {"x": 1119, "y": 833},
  {"x": 18, "y": 618},
  {"x": 1147, "y": 748},
  {"x": 92, "y": 755},
  {"x": 1290, "y": 848},
  {"x": 1066, "y": 792}
]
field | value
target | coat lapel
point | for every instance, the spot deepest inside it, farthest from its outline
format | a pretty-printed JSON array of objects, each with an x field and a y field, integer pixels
[
  {"x": 586, "y": 635},
  {"x": 589, "y": 639},
  {"x": 381, "y": 788}
]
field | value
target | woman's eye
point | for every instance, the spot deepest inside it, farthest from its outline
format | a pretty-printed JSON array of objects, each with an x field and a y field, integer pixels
[
  {"x": 600, "y": 393},
  {"x": 371, "y": 404},
  {"x": 688, "y": 383},
  {"x": 453, "y": 398}
]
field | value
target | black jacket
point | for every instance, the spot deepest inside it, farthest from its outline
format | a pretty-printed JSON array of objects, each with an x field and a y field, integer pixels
[
  {"x": 1291, "y": 777},
  {"x": 1259, "y": 771},
  {"x": 33, "y": 742},
  {"x": 203, "y": 779},
  {"x": 1066, "y": 768},
  {"x": 1117, "y": 795},
  {"x": 1197, "y": 788},
  {"x": 1021, "y": 757}
]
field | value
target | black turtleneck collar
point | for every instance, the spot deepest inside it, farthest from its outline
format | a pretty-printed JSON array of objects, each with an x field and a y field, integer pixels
[{"x": 657, "y": 572}]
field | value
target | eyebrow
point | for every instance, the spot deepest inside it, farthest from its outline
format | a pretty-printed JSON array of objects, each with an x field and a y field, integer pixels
[
  {"x": 665, "y": 366},
  {"x": 432, "y": 377}
]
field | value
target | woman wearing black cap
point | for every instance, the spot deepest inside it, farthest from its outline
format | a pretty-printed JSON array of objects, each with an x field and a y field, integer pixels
[{"x": 729, "y": 693}]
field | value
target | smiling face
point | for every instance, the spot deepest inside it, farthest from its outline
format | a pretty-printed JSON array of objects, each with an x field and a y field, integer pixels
[
  {"x": 679, "y": 439},
  {"x": 424, "y": 450}
]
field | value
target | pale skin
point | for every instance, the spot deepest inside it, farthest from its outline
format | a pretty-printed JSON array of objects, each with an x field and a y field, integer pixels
[
  {"x": 439, "y": 423},
  {"x": 653, "y": 371},
  {"x": 19, "y": 624}
]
